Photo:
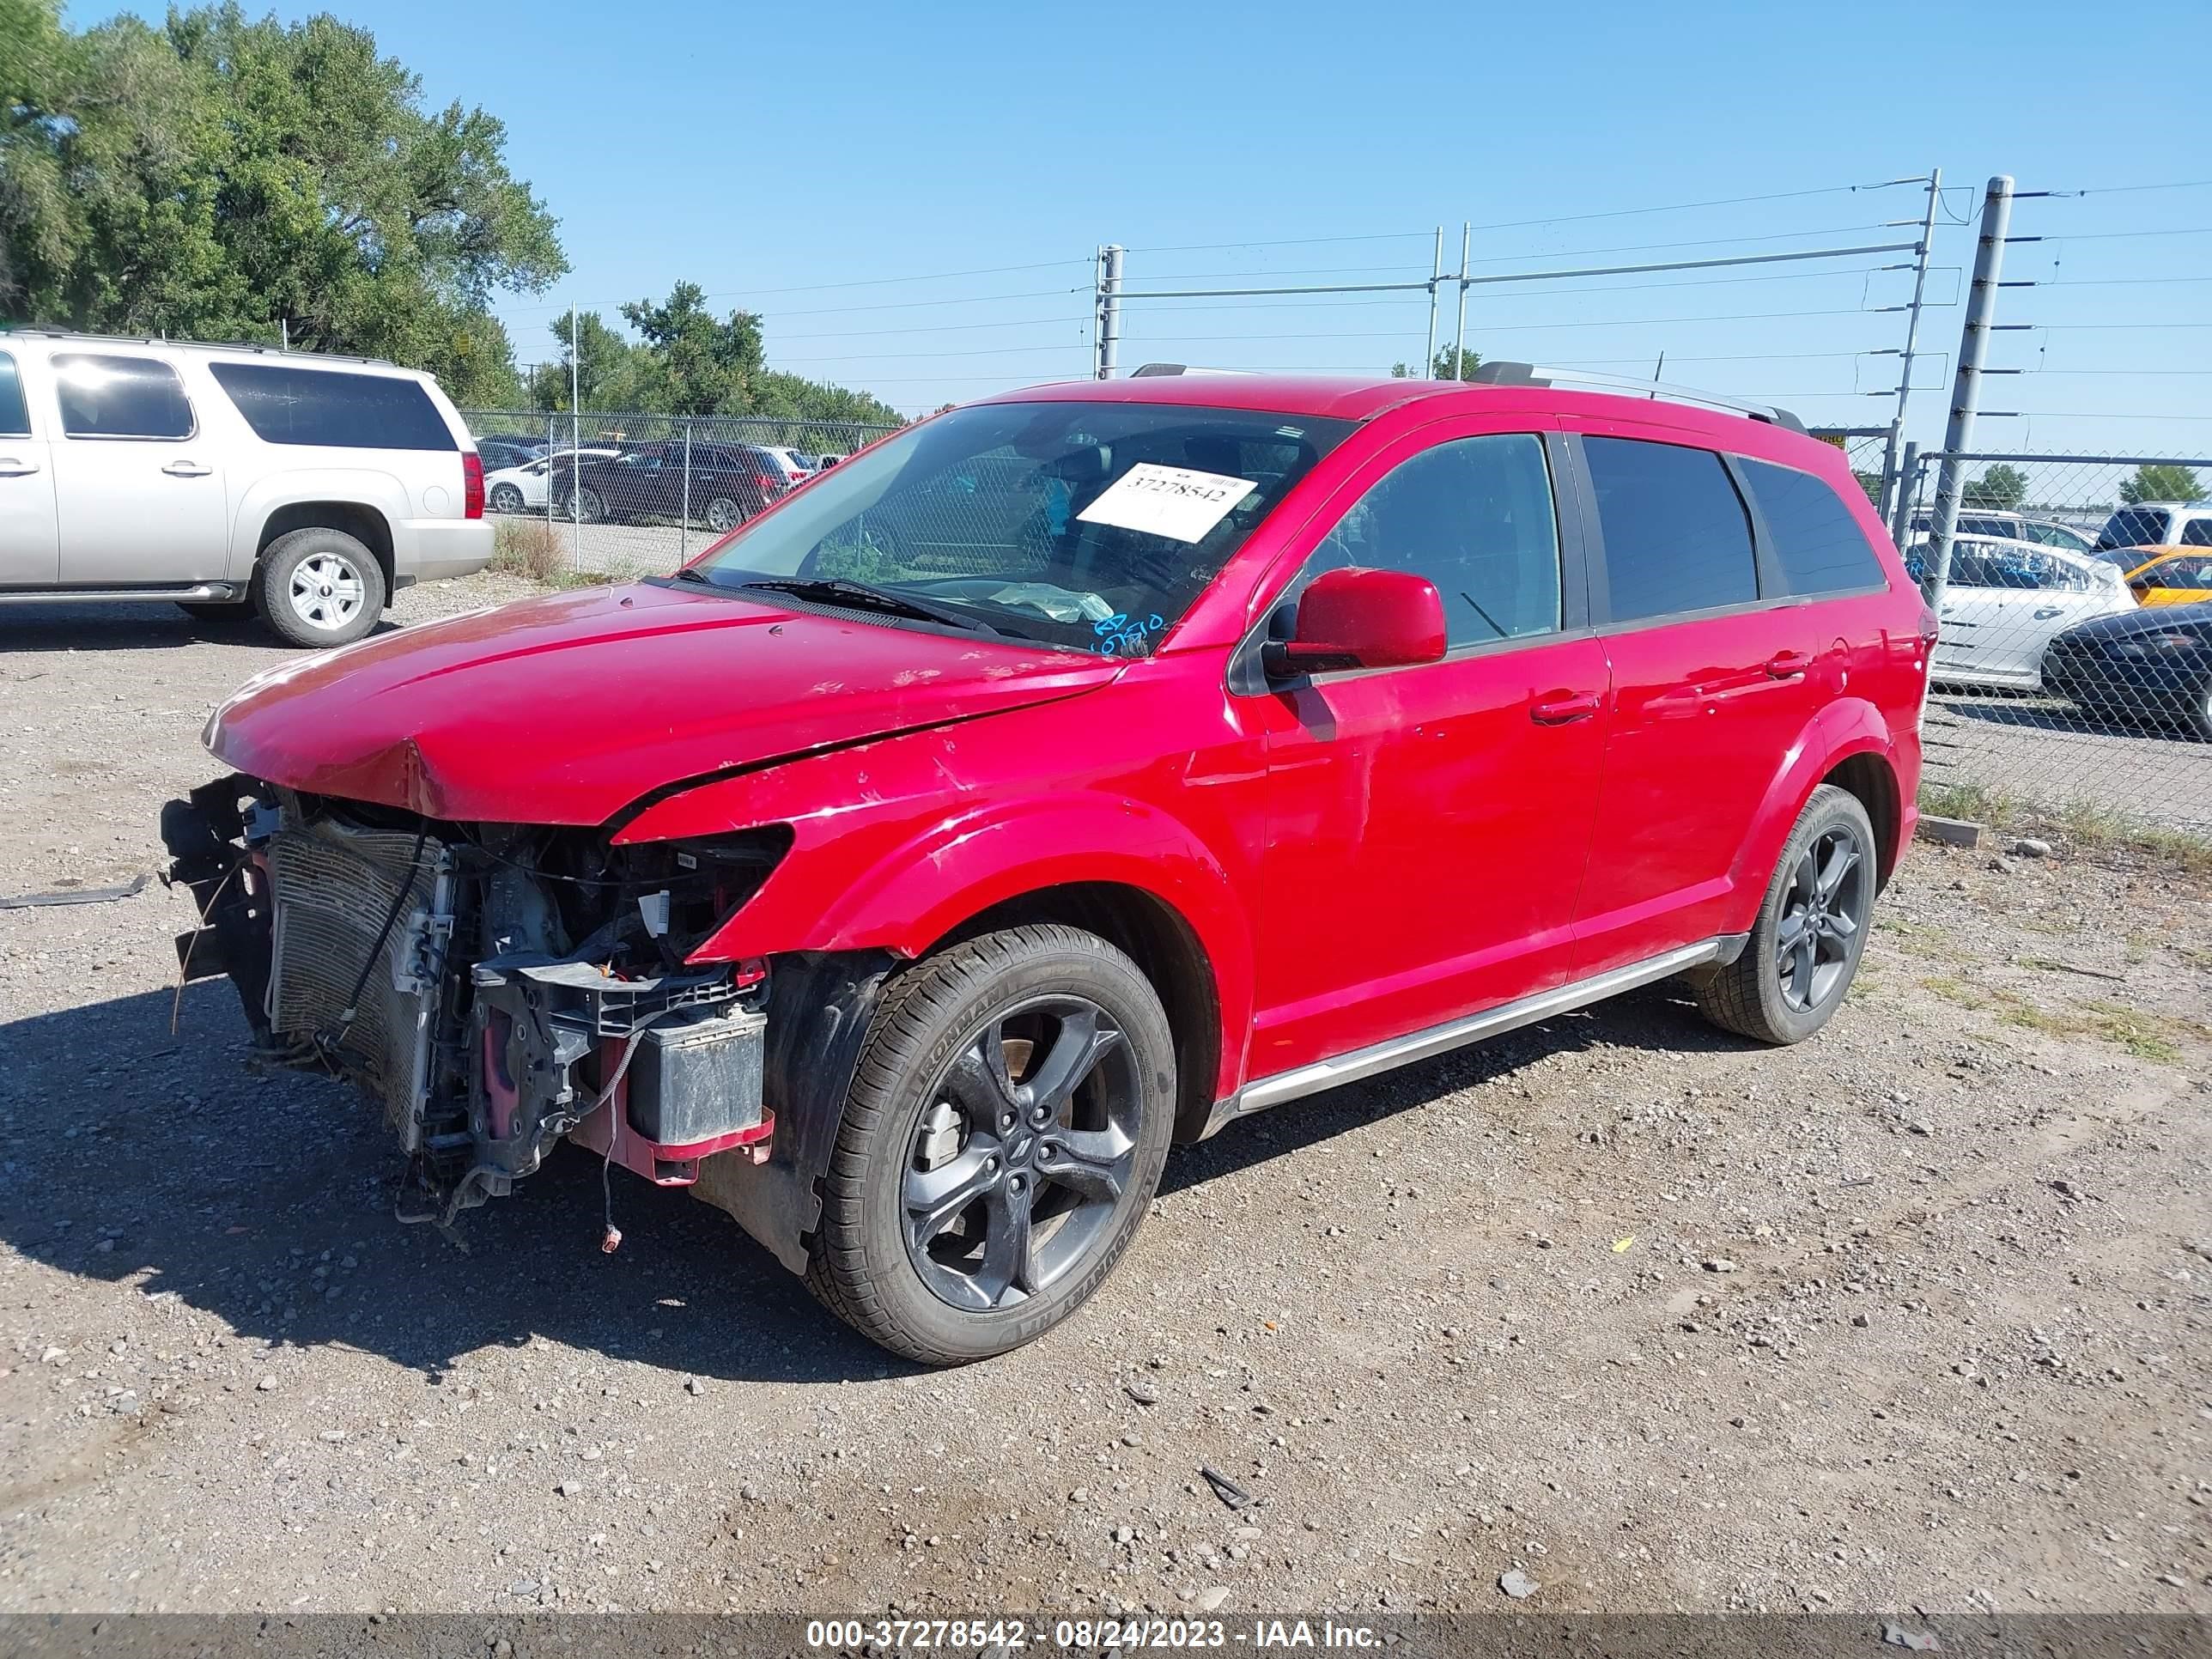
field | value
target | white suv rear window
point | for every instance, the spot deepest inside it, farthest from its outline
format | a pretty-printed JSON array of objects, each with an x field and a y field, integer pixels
[{"x": 285, "y": 404}]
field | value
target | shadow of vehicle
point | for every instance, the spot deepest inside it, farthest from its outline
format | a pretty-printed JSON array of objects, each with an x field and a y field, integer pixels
[
  {"x": 163, "y": 1161},
  {"x": 154, "y": 626}
]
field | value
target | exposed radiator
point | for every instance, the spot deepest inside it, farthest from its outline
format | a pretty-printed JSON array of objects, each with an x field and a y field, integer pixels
[{"x": 335, "y": 887}]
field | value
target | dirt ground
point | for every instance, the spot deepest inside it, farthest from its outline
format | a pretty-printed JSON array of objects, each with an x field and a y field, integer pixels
[{"x": 1912, "y": 1316}]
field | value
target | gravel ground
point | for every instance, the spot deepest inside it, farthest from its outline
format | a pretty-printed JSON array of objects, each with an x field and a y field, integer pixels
[{"x": 1911, "y": 1316}]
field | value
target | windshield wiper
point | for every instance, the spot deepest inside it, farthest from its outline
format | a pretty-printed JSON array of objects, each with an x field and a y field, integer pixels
[
  {"x": 865, "y": 596},
  {"x": 692, "y": 574}
]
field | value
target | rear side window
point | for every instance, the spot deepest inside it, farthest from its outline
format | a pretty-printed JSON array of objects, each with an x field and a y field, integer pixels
[
  {"x": 15, "y": 418},
  {"x": 103, "y": 396},
  {"x": 1677, "y": 538},
  {"x": 288, "y": 406},
  {"x": 1476, "y": 518},
  {"x": 2133, "y": 526},
  {"x": 2197, "y": 532},
  {"x": 1817, "y": 543}
]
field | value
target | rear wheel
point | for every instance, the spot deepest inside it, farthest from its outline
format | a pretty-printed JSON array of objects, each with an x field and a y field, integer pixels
[
  {"x": 1003, "y": 1136},
  {"x": 724, "y": 514},
  {"x": 1812, "y": 929},
  {"x": 318, "y": 586}
]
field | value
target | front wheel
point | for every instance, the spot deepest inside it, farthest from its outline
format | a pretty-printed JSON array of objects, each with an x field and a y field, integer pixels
[
  {"x": 1812, "y": 928},
  {"x": 506, "y": 498},
  {"x": 1004, "y": 1133}
]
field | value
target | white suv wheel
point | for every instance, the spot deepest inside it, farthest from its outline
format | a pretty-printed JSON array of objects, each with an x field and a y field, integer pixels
[
  {"x": 326, "y": 591},
  {"x": 319, "y": 587}
]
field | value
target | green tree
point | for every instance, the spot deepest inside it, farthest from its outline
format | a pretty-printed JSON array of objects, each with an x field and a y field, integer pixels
[
  {"x": 2161, "y": 481},
  {"x": 704, "y": 367},
  {"x": 1446, "y": 366},
  {"x": 222, "y": 178},
  {"x": 2001, "y": 488}
]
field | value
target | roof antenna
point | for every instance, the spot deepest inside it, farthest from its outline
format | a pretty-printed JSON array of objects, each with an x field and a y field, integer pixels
[{"x": 1659, "y": 373}]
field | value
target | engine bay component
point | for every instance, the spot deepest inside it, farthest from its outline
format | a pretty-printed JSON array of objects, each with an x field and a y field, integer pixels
[{"x": 493, "y": 989}]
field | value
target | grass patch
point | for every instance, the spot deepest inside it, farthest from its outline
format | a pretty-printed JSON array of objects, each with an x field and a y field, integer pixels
[
  {"x": 2080, "y": 826},
  {"x": 528, "y": 548},
  {"x": 2146, "y": 1036}
]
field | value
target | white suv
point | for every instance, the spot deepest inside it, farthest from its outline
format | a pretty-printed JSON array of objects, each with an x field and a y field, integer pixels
[{"x": 212, "y": 475}]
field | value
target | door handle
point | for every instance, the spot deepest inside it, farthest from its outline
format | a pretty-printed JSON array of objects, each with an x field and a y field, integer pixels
[
  {"x": 187, "y": 470},
  {"x": 1787, "y": 666},
  {"x": 11, "y": 467},
  {"x": 2046, "y": 613},
  {"x": 1564, "y": 708}
]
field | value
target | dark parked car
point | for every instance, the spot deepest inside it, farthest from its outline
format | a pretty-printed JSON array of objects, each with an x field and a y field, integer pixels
[
  {"x": 728, "y": 484},
  {"x": 500, "y": 453},
  {"x": 2156, "y": 662}
]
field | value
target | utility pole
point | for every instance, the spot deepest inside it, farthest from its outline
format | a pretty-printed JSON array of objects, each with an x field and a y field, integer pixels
[
  {"x": 1966, "y": 386},
  {"x": 1459, "y": 328},
  {"x": 1109, "y": 311},
  {"x": 1436, "y": 281},
  {"x": 1892, "y": 478}
]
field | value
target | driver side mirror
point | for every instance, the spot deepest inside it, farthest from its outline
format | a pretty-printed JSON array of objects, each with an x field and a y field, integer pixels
[{"x": 1362, "y": 619}]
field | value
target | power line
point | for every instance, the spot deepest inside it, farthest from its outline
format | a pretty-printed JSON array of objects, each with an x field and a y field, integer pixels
[{"x": 1557, "y": 219}]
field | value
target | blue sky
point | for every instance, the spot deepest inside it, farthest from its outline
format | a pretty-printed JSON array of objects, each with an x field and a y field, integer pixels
[{"x": 790, "y": 158}]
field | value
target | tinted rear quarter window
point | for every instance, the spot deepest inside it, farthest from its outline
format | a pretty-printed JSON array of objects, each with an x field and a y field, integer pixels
[
  {"x": 2133, "y": 526},
  {"x": 15, "y": 418},
  {"x": 104, "y": 396},
  {"x": 284, "y": 404},
  {"x": 1676, "y": 537},
  {"x": 1817, "y": 544}
]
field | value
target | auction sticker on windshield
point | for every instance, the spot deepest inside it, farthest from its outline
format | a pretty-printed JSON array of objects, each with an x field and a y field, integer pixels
[{"x": 1167, "y": 501}]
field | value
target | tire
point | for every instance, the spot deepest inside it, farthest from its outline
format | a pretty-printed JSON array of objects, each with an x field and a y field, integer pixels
[
  {"x": 590, "y": 506},
  {"x": 936, "y": 1266},
  {"x": 504, "y": 498},
  {"x": 319, "y": 587},
  {"x": 724, "y": 514},
  {"x": 2200, "y": 710},
  {"x": 1751, "y": 996}
]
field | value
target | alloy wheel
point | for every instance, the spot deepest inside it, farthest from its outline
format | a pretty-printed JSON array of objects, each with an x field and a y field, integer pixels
[
  {"x": 1020, "y": 1159},
  {"x": 724, "y": 514},
  {"x": 326, "y": 591},
  {"x": 1823, "y": 911}
]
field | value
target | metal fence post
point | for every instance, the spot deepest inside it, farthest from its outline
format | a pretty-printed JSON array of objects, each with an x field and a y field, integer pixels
[
  {"x": 552, "y": 437},
  {"x": 1890, "y": 482},
  {"x": 1908, "y": 485},
  {"x": 575, "y": 449},
  {"x": 683, "y": 523},
  {"x": 1966, "y": 386},
  {"x": 1459, "y": 328},
  {"x": 1109, "y": 311}
]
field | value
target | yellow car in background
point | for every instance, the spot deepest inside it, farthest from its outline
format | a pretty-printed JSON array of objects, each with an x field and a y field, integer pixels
[{"x": 2174, "y": 575}]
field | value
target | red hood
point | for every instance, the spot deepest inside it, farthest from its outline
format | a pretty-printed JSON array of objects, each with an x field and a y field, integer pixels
[{"x": 566, "y": 708}]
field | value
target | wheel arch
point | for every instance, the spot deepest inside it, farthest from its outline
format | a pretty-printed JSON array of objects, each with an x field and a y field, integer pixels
[
  {"x": 1848, "y": 745},
  {"x": 1155, "y": 935},
  {"x": 366, "y": 524}
]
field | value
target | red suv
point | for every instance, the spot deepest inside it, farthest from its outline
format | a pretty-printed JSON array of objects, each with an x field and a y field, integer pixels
[{"x": 1068, "y": 774}]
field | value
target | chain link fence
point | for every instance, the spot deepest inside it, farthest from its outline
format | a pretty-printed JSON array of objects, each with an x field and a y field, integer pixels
[
  {"x": 623, "y": 493},
  {"x": 2073, "y": 670}
]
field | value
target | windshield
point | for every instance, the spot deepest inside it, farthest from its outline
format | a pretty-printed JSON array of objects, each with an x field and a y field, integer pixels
[{"x": 1090, "y": 526}]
